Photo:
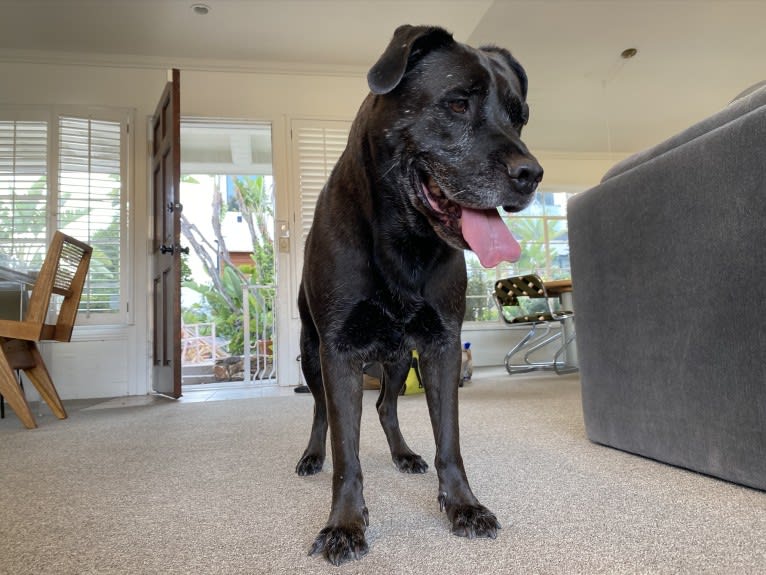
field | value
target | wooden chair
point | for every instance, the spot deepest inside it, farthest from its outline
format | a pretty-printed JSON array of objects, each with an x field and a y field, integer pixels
[{"x": 63, "y": 274}]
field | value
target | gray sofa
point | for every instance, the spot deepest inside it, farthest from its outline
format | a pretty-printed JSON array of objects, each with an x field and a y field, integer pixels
[{"x": 668, "y": 258}]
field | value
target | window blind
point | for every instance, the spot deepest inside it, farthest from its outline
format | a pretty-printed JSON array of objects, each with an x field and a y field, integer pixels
[
  {"x": 23, "y": 193},
  {"x": 90, "y": 202},
  {"x": 317, "y": 146}
]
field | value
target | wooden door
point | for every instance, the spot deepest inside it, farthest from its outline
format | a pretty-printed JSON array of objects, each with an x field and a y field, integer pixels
[{"x": 166, "y": 247}]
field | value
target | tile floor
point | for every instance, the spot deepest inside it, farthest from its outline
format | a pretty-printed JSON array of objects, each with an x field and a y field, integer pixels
[
  {"x": 222, "y": 391},
  {"x": 238, "y": 390}
]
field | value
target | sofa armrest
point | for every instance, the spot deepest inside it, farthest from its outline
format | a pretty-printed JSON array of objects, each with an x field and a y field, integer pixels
[{"x": 669, "y": 273}]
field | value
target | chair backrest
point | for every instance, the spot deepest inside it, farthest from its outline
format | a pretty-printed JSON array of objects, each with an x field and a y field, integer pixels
[
  {"x": 63, "y": 273},
  {"x": 508, "y": 290},
  {"x": 507, "y": 294}
]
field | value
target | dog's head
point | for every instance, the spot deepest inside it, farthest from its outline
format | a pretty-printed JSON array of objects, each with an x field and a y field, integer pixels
[{"x": 452, "y": 117}]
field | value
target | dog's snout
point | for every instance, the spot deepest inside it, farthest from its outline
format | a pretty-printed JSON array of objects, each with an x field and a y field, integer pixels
[{"x": 525, "y": 175}]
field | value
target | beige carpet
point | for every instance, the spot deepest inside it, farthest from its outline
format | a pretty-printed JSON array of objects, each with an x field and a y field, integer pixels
[{"x": 200, "y": 488}]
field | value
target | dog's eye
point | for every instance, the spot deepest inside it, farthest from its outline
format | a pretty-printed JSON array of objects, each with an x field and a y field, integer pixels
[{"x": 458, "y": 106}]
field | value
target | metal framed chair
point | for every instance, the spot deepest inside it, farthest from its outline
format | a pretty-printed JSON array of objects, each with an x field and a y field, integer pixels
[
  {"x": 62, "y": 276},
  {"x": 524, "y": 301}
]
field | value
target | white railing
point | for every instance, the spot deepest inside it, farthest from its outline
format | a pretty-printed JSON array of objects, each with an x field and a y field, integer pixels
[
  {"x": 263, "y": 331},
  {"x": 198, "y": 348}
]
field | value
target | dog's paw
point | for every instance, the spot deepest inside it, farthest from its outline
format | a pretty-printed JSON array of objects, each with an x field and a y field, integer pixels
[
  {"x": 340, "y": 544},
  {"x": 471, "y": 520},
  {"x": 310, "y": 464},
  {"x": 410, "y": 463}
]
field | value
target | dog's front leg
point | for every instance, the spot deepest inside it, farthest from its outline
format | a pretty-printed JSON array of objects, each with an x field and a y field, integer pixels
[
  {"x": 469, "y": 518},
  {"x": 343, "y": 538}
]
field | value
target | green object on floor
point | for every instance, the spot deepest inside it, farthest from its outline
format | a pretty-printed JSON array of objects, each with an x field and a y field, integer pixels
[{"x": 414, "y": 382}]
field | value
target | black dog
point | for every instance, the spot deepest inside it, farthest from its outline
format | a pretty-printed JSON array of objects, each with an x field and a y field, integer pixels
[{"x": 434, "y": 151}]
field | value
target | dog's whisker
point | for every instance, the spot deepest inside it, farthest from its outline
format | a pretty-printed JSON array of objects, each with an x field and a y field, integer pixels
[{"x": 385, "y": 174}]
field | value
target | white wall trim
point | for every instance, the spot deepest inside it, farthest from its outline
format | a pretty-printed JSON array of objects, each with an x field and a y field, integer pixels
[{"x": 187, "y": 64}]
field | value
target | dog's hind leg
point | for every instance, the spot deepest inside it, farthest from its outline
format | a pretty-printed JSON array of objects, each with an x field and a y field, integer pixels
[
  {"x": 313, "y": 458},
  {"x": 404, "y": 458}
]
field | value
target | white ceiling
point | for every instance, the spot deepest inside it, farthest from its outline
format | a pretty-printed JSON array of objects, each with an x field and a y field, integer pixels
[{"x": 693, "y": 56}]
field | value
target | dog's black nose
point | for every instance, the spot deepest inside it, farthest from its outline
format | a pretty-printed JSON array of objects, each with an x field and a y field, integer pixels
[{"x": 525, "y": 174}]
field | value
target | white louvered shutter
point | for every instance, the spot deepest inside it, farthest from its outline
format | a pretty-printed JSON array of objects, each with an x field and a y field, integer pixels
[
  {"x": 90, "y": 203},
  {"x": 23, "y": 193},
  {"x": 316, "y": 147}
]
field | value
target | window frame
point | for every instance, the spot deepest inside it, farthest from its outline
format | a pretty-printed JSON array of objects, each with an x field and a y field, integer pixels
[
  {"x": 506, "y": 269},
  {"x": 124, "y": 314}
]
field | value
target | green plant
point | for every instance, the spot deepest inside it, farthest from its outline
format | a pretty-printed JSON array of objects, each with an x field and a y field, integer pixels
[{"x": 218, "y": 303}]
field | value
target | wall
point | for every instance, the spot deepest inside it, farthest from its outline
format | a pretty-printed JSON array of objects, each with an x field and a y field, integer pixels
[
  {"x": 110, "y": 361},
  {"x": 115, "y": 361}
]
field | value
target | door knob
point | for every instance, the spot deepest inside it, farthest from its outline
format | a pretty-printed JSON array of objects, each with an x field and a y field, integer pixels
[{"x": 171, "y": 249}]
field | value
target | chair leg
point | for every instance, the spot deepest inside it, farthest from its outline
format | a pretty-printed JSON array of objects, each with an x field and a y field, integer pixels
[
  {"x": 41, "y": 379},
  {"x": 531, "y": 343},
  {"x": 562, "y": 368},
  {"x": 509, "y": 366},
  {"x": 13, "y": 394}
]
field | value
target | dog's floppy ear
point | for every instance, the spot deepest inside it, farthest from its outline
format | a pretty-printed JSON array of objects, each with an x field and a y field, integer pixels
[
  {"x": 513, "y": 63},
  {"x": 408, "y": 42}
]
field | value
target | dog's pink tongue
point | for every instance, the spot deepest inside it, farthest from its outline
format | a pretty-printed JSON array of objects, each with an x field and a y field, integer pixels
[{"x": 489, "y": 238}]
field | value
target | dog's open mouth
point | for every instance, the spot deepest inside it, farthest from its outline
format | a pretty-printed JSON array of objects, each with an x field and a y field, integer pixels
[{"x": 482, "y": 230}]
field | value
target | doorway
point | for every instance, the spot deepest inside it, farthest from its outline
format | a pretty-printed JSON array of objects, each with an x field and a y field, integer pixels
[{"x": 228, "y": 294}]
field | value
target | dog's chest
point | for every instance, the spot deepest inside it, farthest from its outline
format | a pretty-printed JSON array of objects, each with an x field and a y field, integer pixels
[{"x": 379, "y": 326}]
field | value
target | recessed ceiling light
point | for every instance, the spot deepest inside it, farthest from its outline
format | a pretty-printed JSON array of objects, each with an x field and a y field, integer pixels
[
  {"x": 201, "y": 9},
  {"x": 628, "y": 53}
]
